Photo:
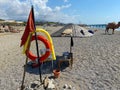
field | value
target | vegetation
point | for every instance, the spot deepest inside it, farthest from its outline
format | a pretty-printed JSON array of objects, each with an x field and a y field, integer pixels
[
  {"x": 2, "y": 20},
  {"x": 47, "y": 23}
]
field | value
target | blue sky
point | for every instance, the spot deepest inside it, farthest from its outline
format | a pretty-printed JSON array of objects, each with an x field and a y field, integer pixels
[{"x": 66, "y": 11}]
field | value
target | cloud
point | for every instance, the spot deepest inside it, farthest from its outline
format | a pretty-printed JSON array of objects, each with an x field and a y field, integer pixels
[
  {"x": 19, "y": 10},
  {"x": 14, "y": 10},
  {"x": 65, "y": 0},
  {"x": 58, "y": 8}
]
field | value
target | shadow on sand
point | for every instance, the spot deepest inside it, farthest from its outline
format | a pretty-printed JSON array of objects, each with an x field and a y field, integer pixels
[
  {"x": 106, "y": 34},
  {"x": 47, "y": 67}
]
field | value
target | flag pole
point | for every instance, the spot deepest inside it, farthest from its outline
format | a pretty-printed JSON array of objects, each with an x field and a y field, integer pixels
[
  {"x": 25, "y": 66},
  {"x": 37, "y": 47}
]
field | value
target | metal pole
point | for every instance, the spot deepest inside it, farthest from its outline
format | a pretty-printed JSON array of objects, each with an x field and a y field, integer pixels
[{"x": 25, "y": 66}]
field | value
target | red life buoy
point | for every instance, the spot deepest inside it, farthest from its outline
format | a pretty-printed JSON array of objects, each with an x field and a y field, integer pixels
[{"x": 33, "y": 57}]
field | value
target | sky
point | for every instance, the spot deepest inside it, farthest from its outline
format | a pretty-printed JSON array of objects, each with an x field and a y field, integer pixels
[{"x": 65, "y": 11}]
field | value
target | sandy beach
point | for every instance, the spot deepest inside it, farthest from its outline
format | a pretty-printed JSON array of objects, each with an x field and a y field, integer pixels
[{"x": 96, "y": 64}]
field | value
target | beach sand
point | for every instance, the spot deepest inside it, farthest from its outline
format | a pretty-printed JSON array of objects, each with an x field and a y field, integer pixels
[{"x": 96, "y": 64}]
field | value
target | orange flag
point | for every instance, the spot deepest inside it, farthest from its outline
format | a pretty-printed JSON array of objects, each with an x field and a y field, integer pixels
[{"x": 30, "y": 27}]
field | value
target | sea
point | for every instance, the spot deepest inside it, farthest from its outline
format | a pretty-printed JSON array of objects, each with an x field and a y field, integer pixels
[{"x": 102, "y": 27}]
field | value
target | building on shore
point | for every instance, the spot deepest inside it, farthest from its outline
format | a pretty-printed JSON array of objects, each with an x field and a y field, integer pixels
[{"x": 11, "y": 22}]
